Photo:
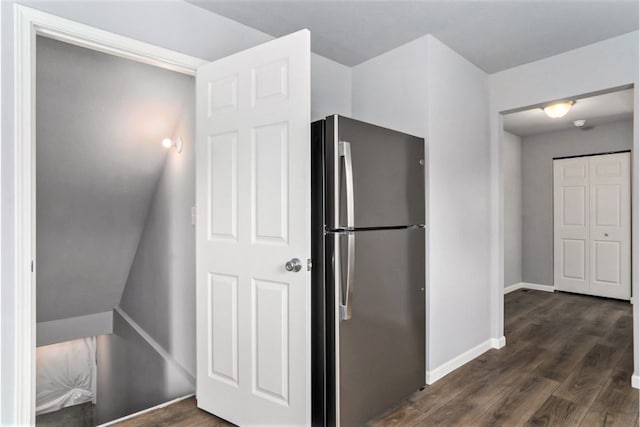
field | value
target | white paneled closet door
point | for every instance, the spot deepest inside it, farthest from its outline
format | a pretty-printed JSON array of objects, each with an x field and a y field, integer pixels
[
  {"x": 610, "y": 227},
  {"x": 571, "y": 224},
  {"x": 592, "y": 225},
  {"x": 253, "y": 181}
]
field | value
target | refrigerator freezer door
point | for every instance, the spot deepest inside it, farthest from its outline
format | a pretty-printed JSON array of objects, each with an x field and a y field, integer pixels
[
  {"x": 382, "y": 345},
  {"x": 384, "y": 168}
]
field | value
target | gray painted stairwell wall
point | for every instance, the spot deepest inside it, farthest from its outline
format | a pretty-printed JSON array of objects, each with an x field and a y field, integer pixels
[
  {"x": 160, "y": 290},
  {"x": 538, "y": 152},
  {"x": 100, "y": 123}
]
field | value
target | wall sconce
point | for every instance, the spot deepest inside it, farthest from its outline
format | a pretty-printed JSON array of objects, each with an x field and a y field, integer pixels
[
  {"x": 559, "y": 109},
  {"x": 177, "y": 143}
]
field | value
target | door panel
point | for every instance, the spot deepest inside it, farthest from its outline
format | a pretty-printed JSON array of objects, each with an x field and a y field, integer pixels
[
  {"x": 571, "y": 224},
  {"x": 253, "y": 215},
  {"x": 610, "y": 230},
  {"x": 382, "y": 345},
  {"x": 388, "y": 176},
  {"x": 573, "y": 259}
]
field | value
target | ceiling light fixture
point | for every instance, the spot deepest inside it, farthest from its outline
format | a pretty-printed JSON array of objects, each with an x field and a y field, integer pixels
[
  {"x": 579, "y": 123},
  {"x": 177, "y": 143},
  {"x": 559, "y": 109}
]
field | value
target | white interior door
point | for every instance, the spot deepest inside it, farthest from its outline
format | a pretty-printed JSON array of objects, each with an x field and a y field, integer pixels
[
  {"x": 610, "y": 226},
  {"x": 571, "y": 224},
  {"x": 253, "y": 214}
]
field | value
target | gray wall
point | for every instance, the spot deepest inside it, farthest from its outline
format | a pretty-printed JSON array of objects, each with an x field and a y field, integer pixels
[
  {"x": 512, "y": 156},
  {"x": 538, "y": 152},
  {"x": 100, "y": 123},
  {"x": 160, "y": 290}
]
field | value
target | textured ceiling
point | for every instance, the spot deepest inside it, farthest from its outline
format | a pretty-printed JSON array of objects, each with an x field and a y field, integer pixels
[
  {"x": 596, "y": 110},
  {"x": 494, "y": 35},
  {"x": 100, "y": 123}
]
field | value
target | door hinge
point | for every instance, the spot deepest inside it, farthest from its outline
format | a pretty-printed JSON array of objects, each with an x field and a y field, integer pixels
[
  {"x": 33, "y": 266},
  {"x": 309, "y": 264}
]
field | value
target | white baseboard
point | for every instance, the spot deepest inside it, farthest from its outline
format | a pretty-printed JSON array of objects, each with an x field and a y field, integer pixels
[
  {"x": 464, "y": 358},
  {"x": 532, "y": 286},
  {"x": 156, "y": 346},
  {"x": 635, "y": 381},
  {"x": 498, "y": 343},
  {"x": 144, "y": 411}
]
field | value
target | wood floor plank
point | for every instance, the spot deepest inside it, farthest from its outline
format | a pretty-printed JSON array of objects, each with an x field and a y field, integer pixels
[
  {"x": 617, "y": 395},
  {"x": 517, "y": 362},
  {"x": 522, "y": 305},
  {"x": 620, "y": 331},
  {"x": 561, "y": 363},
  {"x": 585, "y": 383},
  {"x": 521, "y": 401},
  {"x": 602, "y": 322},
  {"x": 438, "y": 394},
  {"x": 558, "y": 412},
  {"x": 596, "y": 418},
  {"x": 180, "y": 414},
  {"x": 468, "y": 405},
  {"x": 404, "y": 415}
]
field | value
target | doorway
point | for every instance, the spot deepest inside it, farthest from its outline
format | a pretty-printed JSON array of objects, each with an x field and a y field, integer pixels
[
  {"x": 553, "y": 172},
  {"x": 29, "y": 24},
  {"x": 265, "y": 68},
  {"x": 115, "y": 239},
  {"x": 533, "y": 144}
]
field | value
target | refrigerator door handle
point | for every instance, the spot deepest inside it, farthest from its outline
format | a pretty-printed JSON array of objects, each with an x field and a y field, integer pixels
[
  {"x": 344, "y": 151},
  {"x": 347, "y": 294}
]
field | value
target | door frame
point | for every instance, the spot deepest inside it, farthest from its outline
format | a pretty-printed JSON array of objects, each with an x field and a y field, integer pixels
[
  {"x": 29, "y": 23},
  {"x": 498, "y": 109}
]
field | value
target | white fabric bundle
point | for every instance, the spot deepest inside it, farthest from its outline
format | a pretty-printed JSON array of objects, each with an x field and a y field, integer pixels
[{"x": 65, "y": 374}]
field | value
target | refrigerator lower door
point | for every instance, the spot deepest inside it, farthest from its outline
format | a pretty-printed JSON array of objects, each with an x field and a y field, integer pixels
[{"x": 381, "y": 347}]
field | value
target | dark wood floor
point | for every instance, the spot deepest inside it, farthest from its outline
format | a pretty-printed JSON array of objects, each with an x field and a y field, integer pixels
[{"x": 568, "y": 362}]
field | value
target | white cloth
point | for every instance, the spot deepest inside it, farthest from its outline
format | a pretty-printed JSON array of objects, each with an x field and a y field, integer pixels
[{"x": 65, "y": 374}]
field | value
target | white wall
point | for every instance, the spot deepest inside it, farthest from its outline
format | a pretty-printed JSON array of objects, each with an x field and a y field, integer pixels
[
  {"x": 330, "y": 88},
  {"x": 390, "y": 90},
  {"x": 512, "y": 157},
  {"x": 172, "y": 24},
  {"x": 607, "y": 64},
  {"x": 458, "y": 136},
  {"x": 426, "y": 89}
]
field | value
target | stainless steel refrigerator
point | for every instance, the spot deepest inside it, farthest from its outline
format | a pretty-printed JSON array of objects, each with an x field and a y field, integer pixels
[{"x": 368, "y": 308}]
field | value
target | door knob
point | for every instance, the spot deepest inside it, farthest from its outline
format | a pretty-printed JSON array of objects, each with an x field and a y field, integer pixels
[
  {"x": 606, "y": 234},
  {"x": 294, "y": 265}
]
